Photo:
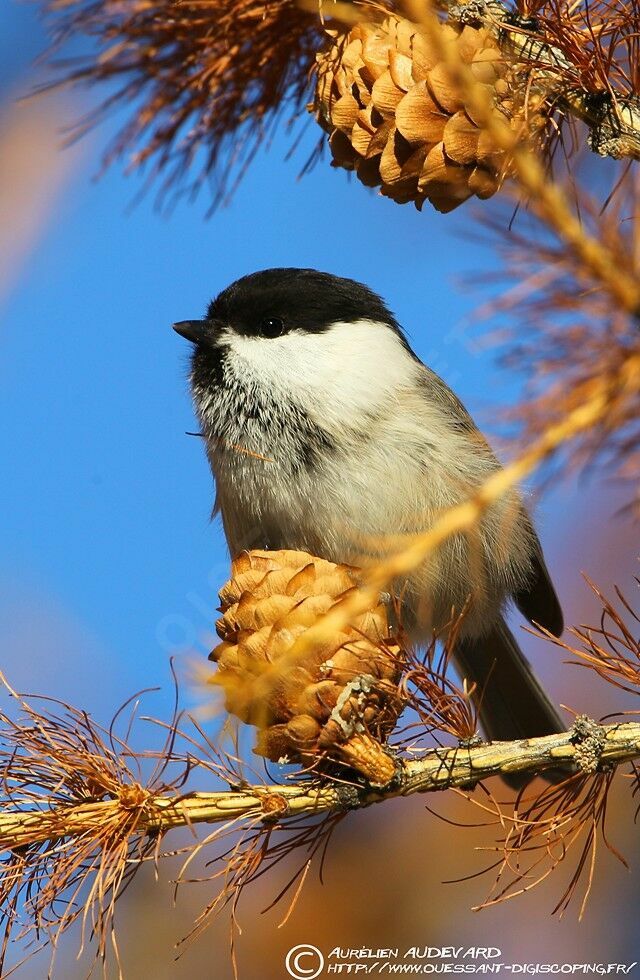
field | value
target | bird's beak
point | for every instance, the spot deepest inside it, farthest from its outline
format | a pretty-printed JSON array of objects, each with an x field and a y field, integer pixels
[{"x": 197, "y": 331}]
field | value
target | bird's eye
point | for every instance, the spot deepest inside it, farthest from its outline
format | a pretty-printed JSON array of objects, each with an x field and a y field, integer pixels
[{"x": 272, "y": 326}]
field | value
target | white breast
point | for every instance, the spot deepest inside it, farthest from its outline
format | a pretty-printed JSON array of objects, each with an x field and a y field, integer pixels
[{"x": 392, "y": 456}]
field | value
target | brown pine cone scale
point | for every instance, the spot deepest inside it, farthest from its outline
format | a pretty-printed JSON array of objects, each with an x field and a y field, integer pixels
[
  {"x": 335, "y": 700},
  {"x": 396, "y": 117}
]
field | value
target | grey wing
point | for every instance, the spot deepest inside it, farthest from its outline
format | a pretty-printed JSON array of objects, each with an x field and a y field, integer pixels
[
  {"x": 538, "y": 601},
  {"x": 439, "y": 391}
]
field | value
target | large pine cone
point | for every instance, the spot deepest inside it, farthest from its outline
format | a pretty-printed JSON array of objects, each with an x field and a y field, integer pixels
[
  {"x": 395, "y": 116},
  {"x": 337, "y": 700}
]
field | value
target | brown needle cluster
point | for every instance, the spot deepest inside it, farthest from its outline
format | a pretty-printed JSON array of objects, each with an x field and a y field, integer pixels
[
  {"x": 566, "y": 824},
  {"x": 561, "y": 826},
  {"x": 612, "y": 648},
  {"x": 442, "y": 707},
  {"x": 61, "y": 864},
  {"x": 590, "y": 53},
  {"x": 205, "y": 79},
  {"x": 575, "y": 334}
]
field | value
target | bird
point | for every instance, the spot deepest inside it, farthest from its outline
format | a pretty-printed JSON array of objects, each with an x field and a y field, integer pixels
[{"x": 326, "y": 433}]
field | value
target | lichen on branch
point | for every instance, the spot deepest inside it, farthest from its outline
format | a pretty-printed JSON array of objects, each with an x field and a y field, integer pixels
[{"x": 585, "y": 748}]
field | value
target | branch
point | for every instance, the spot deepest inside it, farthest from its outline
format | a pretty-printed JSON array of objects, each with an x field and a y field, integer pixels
[
  {"x": 613, "y": 120},
  {"x": 587, "y": 746}
]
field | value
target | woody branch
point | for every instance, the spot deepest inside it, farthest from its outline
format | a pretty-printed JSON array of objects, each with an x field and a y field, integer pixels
[
  {"x": 586, "y": 747},
  {"x": 613, "y": 119}
]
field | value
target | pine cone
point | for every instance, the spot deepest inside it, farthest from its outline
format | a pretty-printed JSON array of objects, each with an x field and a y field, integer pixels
[
  {"x": 395, "y": 117},
  {"x": 337, "y": 700}
]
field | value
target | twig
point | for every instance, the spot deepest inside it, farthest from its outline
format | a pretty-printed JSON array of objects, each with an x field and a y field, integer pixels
[
  {"x": 613, "y": 120},
  {"x": 585, "y": 745}
]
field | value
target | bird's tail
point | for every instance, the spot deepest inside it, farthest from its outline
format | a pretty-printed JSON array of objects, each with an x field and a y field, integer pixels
[{"x": 511, "y": 701}]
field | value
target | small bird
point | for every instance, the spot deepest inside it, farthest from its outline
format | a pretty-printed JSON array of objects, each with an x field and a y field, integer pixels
[{"x": 326, "y": 433}]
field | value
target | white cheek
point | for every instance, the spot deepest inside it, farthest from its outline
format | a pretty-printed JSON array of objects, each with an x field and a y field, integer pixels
[{"x": 355, "y": 366}]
